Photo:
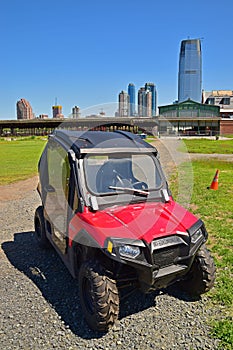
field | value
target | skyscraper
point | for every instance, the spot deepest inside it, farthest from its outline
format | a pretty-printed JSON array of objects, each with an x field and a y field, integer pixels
[
  {"x": 57, "y": 112},
  {"x": 190, "y": 70},
  {"x": 76, "y": 112},
  {"x": 151, "y": 87},
  {"x": 149, "y": 101},
  {"x": 24, "y": 109},
  {"x": 131, "y": 93},
  {"x": 141, "y": 101},
  {"x": 123, "y": 104},
  {"x": 144, "y": 102}
]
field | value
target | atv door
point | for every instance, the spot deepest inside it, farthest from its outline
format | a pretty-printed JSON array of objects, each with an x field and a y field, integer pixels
[{"x": 57, "y": 192}]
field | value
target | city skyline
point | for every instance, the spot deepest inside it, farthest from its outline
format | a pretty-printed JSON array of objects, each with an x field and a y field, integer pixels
[
  {"x": 146, "y": 105},
  {"x": 99, "y": 49},
  {"x": 143, "y": 107}
]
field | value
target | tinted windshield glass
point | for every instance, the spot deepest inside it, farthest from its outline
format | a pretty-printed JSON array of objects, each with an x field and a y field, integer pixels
[{"x": 107, "y": 174}]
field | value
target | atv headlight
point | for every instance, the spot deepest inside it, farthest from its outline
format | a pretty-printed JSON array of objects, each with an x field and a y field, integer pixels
[
  {"x": 125, "y": 248},
  {"x": 196, "y": 236},
  {"x": 129, "y": 251}
]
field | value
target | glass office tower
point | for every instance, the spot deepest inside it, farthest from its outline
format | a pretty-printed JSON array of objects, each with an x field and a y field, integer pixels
[
  {"x": 151, "y": 87},
  {"x": 131, "y": 93},
  {"x": 190, "y": 71}
]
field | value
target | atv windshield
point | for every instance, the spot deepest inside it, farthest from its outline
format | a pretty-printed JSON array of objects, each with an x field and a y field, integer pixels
[{"x": 136, "y": 174}]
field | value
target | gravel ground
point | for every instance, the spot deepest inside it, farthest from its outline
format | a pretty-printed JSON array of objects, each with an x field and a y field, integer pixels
[{"x": 40, "y": 306}]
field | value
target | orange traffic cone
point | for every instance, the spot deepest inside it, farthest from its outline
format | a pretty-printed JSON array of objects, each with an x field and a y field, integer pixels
[{"x": 214, "y": 183}]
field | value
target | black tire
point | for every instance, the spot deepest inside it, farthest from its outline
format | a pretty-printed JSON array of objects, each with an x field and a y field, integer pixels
[
  {"x": 40, "y": 232},
  {"x": 98, "y": 296},
  {"x": 200, "y": 278}
]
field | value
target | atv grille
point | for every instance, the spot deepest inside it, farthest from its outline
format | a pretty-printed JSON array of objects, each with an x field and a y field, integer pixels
[{"x": 165, "y": 256}]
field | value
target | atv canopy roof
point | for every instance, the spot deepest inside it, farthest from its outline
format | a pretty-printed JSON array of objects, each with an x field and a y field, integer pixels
[{"x": 102, "y": 142}]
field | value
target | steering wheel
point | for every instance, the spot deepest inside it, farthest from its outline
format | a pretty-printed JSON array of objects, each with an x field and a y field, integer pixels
[
  {"x": 123, "y": 182},
  {"x": 140, "y": 185}
]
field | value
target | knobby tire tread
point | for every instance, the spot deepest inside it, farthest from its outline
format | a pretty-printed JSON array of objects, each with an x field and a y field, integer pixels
[
  {"x": 105, "y": 297},
  {"x": 201, "y": 276}
]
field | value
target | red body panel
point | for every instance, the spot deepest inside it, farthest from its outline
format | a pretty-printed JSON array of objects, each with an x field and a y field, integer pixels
[{"x": 145, "y": 221}]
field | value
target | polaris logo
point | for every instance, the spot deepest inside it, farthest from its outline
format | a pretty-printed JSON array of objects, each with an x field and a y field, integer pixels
[{"x": 166, "y": 242}]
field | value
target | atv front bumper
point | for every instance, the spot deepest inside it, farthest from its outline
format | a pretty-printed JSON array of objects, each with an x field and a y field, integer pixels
[{"x": 163, "y": 261}]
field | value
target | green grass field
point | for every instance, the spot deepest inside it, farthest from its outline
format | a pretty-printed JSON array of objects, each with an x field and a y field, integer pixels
[
  {"x": 209, "y": 146},
  {"x": 19, "y": 159},
  {"x": 215, "y": 208}
]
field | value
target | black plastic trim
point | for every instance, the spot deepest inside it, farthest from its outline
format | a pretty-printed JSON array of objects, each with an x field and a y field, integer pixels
[{"x": 198, "y": 224}]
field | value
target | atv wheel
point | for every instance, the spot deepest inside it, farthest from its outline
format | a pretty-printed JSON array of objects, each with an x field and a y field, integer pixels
[
  {"x": 98, "y": 295},
  {"x": 200, "y": 278},
  {"x": 39, "y": 223}
]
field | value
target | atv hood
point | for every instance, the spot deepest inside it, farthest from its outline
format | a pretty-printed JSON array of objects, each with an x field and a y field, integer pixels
[{"x": 144, "y": 221}]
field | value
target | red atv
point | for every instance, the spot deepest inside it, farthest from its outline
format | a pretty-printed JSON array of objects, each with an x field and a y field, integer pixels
[{"x": 108, "y": 212}]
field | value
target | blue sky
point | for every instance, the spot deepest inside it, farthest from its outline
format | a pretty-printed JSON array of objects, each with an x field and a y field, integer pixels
[{"x": 85, "y": 52}]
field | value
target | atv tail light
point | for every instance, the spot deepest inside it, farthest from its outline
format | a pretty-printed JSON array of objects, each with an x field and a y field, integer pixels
[
  {"x": 196, "y": 236},
  {"x": 129, "y": 251}
]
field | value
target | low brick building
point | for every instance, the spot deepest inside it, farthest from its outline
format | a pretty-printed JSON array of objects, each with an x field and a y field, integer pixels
[{"x": 226, "y": 126}]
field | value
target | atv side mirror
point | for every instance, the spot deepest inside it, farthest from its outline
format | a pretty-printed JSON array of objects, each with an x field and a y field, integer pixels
[{"x": 165, "y": 195}]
